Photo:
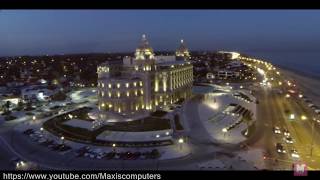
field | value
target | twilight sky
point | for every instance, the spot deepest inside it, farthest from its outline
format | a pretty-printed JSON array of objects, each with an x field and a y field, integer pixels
[{"x": 32, "y": 32}]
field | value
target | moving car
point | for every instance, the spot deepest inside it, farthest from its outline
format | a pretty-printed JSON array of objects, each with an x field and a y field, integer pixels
[
  {"x": 280, "y": 148},
  {"x": 276, "y": 130},
  {"x": 294, "y": 154},
  {"x": 286, "y": 132},
  {"x": 289, "y": 140}
]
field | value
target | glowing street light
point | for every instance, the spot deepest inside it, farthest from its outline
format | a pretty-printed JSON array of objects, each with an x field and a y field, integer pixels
[
  {"x": 300, "y": 95},
  {"x": 292, "y": 116},
  {"x": 114, "y": 147},
  {"x": 287, "y": 95},
  {"x": 180, "y": 141},
  {"x": 303, "y": 117},
  {"x": 224, "y": 130},
  {"x": 33, "y": 118},
  {"x": 62, "y": 139}
]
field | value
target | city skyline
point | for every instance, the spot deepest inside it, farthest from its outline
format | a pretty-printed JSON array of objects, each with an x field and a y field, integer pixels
[{"x": 50, "y": 32}]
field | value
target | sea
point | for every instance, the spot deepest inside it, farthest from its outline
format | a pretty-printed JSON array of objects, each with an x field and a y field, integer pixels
[{"x": 306, "y": 63}]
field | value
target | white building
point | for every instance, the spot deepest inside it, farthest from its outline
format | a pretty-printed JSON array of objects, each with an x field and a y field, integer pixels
[{"x": 137, "y": 85}]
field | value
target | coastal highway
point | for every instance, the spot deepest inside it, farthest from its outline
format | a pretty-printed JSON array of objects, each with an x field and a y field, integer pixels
[{"x": 274, "y": 109}]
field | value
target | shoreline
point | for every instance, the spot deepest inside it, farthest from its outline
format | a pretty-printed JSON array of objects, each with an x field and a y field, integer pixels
[
  {"x": 300, "y": 73},
  {"x": 308, "y": 84}
]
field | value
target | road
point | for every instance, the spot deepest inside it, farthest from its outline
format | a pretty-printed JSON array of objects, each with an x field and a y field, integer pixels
[{"x": 272, "y": 111}]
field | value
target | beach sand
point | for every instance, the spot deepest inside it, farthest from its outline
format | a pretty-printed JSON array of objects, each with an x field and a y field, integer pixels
[{"x": 310, "y": 86}]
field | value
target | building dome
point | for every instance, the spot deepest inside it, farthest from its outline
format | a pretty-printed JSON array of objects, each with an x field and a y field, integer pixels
[
  {"x": 144, "y": 51},
  {"x": 182, "y": 51}
]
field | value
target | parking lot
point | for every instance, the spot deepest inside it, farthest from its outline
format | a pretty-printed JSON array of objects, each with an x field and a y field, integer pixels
[{"x": 86, "y": 151}]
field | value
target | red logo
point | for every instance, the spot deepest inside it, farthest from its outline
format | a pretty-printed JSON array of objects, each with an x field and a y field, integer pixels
[{"x": 300, "y": 169}]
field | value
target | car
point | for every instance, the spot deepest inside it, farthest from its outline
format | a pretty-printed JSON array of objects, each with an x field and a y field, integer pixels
[
  {"x": 280, "y": 148},
  {"x": 286, "y": 132},
  {"x": 289, "y": 140},
  {"x": 15, "y": 160},
  {"x": 294, "y": 153},
  {"x": 110, "y": 155},
  {"x": 276, "y": 130},
  {"x": 28, "y": 131}
]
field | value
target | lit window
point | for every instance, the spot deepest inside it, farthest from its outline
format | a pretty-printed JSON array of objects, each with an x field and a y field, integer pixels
[
  {"x": 102, "y": 93},
  {"x": 135, "y": 84},
  {"x": 118, "y": 94},
  {"x": 141, "y": 91},
  {"x": 102, "y": 84},
  {"x": 109, "y": 94},
  {"x": 109, "y": 85},
  {"x": 127, "y": 85},
  {"x": 110, "y": 105},
  {"x": 136, "y": 92},
  {"x": 128, "y": 94},
  {"x": 118, "y": 85},
  {"x": 141, "y": 83}
]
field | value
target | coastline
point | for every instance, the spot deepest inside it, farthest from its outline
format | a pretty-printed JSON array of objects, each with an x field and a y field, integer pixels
[{"x": 308, "y": 84}]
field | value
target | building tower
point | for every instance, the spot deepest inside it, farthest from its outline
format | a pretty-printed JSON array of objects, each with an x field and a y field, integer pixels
[
  {"x": 182, "y": 53},
  {"x": 144, "y": 51}
]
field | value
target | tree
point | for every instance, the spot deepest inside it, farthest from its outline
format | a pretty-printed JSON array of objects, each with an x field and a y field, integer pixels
[
  {"x": 7, "y": 106},
  {"x": 20, "y": 105},
  {"x": 60, "y": 96},
  {"x": 29, "y": 106}
]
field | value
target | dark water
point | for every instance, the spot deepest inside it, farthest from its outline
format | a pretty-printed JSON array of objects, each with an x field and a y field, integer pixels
[{"x": 307, "y": 63}]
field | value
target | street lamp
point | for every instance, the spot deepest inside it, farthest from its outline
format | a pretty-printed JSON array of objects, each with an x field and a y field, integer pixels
[
  {"x": 62, "y": 139},
  {"x": 303, "y": 117},
  {"x": 181, "y": 141},
  {"x": 33, "y": 118},
  {"x": 224, "y": 130},
  {"x": 114, "y": 147},
  {"x": 311, "y": 148}
]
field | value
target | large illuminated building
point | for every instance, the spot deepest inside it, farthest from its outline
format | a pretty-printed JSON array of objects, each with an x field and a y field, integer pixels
[{"x": 138, "y": 85}]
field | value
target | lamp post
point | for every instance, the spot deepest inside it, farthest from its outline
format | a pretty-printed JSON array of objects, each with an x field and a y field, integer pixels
[
  {"x": 62, "y": 139},
  {"x": 312, "y": 132},
  {"x": 224, "y": 130},
  {"x": 180, "y": 141},
  {"x": 114, "y": 147}
]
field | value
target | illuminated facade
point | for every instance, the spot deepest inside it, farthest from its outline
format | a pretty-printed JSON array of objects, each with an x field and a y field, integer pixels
[{"x": 141, "y": 84}]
